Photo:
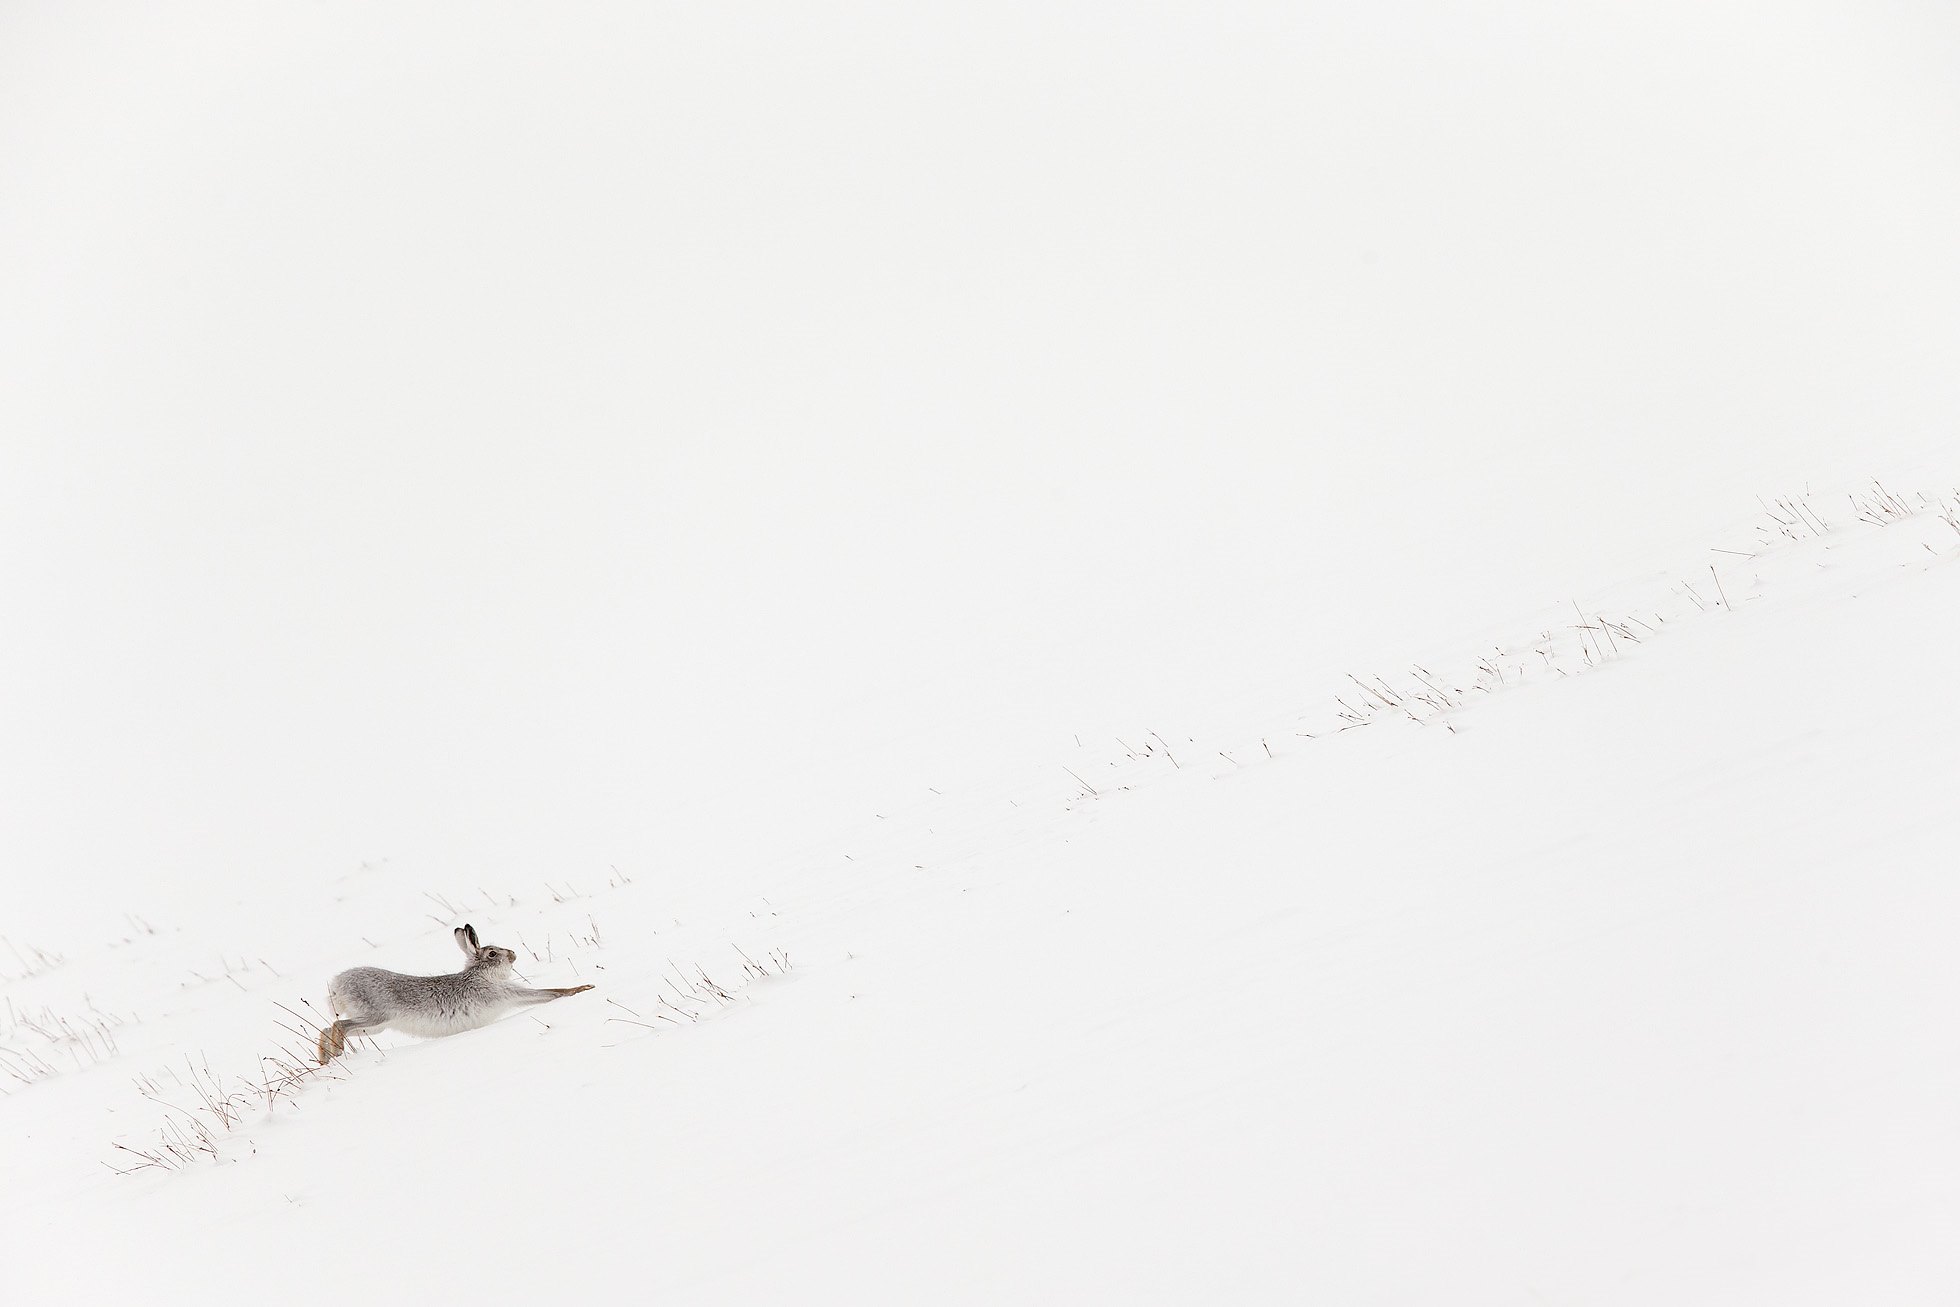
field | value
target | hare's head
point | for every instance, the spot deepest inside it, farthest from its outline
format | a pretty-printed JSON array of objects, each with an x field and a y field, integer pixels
[{"x": 483, "y": 956}]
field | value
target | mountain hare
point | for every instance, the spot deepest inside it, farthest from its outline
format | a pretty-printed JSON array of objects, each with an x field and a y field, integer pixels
[{"x": 367, "y": 999}]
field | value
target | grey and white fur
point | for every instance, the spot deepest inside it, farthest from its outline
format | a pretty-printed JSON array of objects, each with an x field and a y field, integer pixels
[{"x": 367, "y": 999}]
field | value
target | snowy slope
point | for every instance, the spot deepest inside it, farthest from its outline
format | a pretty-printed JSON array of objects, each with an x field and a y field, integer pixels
[
  {"x": 1623, "y": 985},
  {"x": 1137, "y": 648}
]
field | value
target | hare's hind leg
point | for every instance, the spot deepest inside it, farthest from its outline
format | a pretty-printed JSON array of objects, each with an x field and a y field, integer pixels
[{"x": 334, "y": 1038}]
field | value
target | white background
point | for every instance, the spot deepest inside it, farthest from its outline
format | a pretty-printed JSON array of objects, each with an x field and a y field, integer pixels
[
  {"x": 514, "y": 441},
  {"x": 487, "y": 431}
]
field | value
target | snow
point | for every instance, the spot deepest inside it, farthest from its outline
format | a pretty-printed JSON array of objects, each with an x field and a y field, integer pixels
[{"x": 1138, "y": 650}]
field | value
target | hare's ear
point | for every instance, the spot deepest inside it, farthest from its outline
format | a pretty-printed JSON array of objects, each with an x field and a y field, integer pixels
[
  {"x": 471, "y": 932},
  {"x": 466, "y": 940}
]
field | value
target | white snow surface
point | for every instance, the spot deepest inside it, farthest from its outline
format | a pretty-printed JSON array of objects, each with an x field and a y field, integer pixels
[{"x": 1175, "y": 654}]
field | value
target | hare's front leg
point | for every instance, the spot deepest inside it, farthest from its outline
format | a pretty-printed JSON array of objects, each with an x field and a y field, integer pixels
[{"x": 531, "y": 996}]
